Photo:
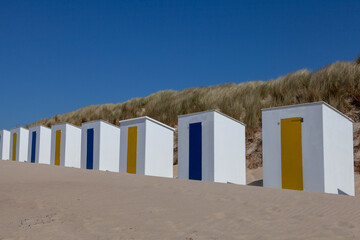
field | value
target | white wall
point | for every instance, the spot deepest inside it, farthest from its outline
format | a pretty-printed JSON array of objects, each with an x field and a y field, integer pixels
[
  {"x": 154, "y": 154},
  {"x": 159, "y": 152},
  {"x": 109, "y": 147},
  {"x": 223, "y": 147},
  {"x": 73, "y": 146},
  {"x": 106, "y": 146},
  {"x": 140, "y": 145},
  {"x": 31, "y": 130},
  {"x": 55, "y": 128},
  {"x": 5, "y": 145},
  {"x": 42, "y": 145},
  {"x": 229, "y": 151},
  {"x": 313, "y": 135},
  {"x": 22, "y": 144},
  {"x": 140, "y": 150},
  {"x": 207, "y": 121},
  {"x": 123, "y": 148},
  {"x": 84, "y": 127},
  {"x": 70, "y": 149},
  {"x": 338, "y": 153}
]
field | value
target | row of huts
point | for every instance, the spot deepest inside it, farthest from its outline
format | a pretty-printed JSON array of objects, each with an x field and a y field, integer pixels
[{"x": 305, "y": 147}]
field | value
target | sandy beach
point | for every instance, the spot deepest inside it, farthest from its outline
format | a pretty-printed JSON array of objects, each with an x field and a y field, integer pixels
[{"x": 47, "y": 202}]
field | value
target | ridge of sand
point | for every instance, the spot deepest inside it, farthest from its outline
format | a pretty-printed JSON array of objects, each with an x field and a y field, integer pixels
[{"x": 48, "y": 202}]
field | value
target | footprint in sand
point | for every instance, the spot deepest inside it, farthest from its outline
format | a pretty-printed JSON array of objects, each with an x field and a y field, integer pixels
[
  {"x": 343, "y": 224},
  {"x": 37, "y": 221}
]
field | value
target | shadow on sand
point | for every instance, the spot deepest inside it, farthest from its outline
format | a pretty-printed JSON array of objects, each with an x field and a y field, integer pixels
[{"x": 257, "y": 183}]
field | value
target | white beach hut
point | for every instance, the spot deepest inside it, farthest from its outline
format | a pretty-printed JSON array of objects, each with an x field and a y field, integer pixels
[
  {"x": 146, "y": 147},
  {"x": 19, "y": 140},
  {"x": 211, "y": 147},
  {"x": 4, "y": 144},
  {"x": 308, "y": 147},
  {"x": 39, "y": 144},
  {"x": 100, "y": 146},
  {"x": 65, "y": 145}
]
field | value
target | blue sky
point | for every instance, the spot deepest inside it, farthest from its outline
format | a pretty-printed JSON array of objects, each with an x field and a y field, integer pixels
[{"x": 58, "y": 56}]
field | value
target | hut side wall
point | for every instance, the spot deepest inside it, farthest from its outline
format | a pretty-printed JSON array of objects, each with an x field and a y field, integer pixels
[{"x": 338, "y": 153}]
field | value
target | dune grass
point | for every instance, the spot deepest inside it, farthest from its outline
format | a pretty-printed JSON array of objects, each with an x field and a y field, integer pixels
[{"x": 337, "y": 84}]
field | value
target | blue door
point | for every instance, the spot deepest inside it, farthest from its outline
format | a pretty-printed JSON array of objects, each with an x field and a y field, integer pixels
[
  {"x": 195, "y": 151},
  {"x": 33, "y": 147},
  {"x": 90, "y": 149}
]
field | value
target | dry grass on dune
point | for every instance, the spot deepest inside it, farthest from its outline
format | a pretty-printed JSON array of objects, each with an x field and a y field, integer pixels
[{"x": 338, "y": 84}]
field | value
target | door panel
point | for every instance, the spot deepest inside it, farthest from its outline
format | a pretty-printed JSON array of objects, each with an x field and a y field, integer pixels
[
  {"x": 195, "y": 151},
  {"x": 33, "y": 147},
  {"x": 131, "y": 150},
  {"x": 291, "y": 154},
  {"x": 57, "y": 147},
  {"x": 90, "y": 149},
  {"x": 14, "y": 146}
]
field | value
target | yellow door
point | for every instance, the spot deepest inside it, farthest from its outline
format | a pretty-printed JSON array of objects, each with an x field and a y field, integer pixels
[
  {"x": 291, "y": 154},
  {"x": 131, "y": 150},
  {"x": 14, "y": 146},
  {"x": 57, "y": 147}
]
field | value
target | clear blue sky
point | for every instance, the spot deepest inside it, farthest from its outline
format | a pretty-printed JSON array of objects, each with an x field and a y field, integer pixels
[{"x": 58, "y": 56}]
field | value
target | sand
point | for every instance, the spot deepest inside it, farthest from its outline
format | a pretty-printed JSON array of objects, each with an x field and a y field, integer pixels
[{"x": 47, "y": 202}]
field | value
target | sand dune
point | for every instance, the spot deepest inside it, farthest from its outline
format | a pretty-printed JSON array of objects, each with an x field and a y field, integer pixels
[{"x": 48, "y": 202}]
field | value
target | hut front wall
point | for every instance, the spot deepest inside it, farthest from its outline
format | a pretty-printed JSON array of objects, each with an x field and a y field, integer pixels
[
  {"x": 4, "y": 145},
  {"x": 312, "y": 145},
  {"x": 33, "y": 150},
  {"x": 41, "y": 146},
  {"x": 338, "y": 153},
  {"x": 140, "y": 145},
  {"x": 54, "y": 129},
  {"x": 159, "y": 150},
  {"x": 70, "y": 145},
  {"x": 207, "y": 121},
  {"x": 21, "y": 144},
  {"x": 96, "y": 145},
  {"x": 229, "y": 151}
]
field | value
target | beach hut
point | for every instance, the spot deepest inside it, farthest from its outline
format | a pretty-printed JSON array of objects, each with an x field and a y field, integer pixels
[
  {"x": 211, "y": 147},
  {"x": 146, "y": 147},
  {"x": 39, "y": 144},
  {"x": 19, "y": 140},
  {"x": 100, "y": 146},
  {"x": 308, "y": 147},
  {"x": 65, "y": 145},
  {"x": 4, "y": 144}
]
